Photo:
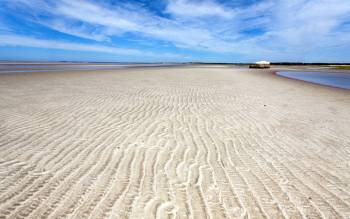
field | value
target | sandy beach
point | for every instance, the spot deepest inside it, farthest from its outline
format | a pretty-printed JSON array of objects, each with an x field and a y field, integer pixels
[{"x": 172, "y": 142}]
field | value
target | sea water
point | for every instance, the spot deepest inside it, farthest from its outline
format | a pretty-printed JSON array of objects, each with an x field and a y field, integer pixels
[
  {"x": 333, "y": 79},
  {"x": 6, "y": 68}
]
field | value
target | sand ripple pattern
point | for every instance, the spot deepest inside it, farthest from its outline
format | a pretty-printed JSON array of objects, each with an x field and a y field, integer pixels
[{"x": 181, "y": 142}]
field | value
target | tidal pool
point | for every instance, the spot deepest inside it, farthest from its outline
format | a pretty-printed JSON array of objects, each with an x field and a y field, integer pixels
[{"x": 333, "y": 79}]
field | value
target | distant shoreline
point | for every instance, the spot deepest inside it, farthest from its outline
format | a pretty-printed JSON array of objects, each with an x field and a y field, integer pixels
[
  {"x": 171, "y": 63},
  {"x": 21, "y": 67}
]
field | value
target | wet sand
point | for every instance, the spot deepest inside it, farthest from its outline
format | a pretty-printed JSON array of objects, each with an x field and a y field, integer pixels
[{"x": 172, "y": 142}]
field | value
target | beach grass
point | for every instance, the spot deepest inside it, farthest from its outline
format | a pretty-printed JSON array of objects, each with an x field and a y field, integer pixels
[{"x": 343, "y": 67}]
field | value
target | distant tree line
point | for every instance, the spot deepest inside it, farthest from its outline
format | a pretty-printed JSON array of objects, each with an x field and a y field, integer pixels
[
  {"x": 307, "y": 63},
  {"x": 272, "y": 63}
]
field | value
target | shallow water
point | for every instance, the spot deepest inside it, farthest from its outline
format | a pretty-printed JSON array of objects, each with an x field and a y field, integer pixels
[
  {"x": 26, "y": 68},
  {"x": 340, "y": 80}
]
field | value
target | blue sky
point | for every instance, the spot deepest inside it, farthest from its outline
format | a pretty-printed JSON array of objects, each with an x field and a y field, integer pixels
[{"x": 175, "y": 30}]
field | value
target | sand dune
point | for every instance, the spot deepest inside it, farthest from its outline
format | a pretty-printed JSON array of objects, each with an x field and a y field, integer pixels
[{"x": 180, "y": 142}]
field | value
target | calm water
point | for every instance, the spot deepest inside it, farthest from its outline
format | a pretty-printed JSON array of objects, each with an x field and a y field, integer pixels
[
  {"x": 23, "y": 68},
  {"x": 341, "y": 80}
]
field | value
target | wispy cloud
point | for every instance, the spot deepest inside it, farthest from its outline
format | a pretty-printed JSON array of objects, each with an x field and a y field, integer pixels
[
  {"x": 17, "y": 40},
  {"x": 304, "y": 28},
  {"x": 271, "y": 28},
  {"x": 79, "y": 30},
  {"x": 187, "y": 8}
]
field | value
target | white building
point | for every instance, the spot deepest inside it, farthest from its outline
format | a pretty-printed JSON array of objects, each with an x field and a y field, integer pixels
[{"x": 260, "y": 64}]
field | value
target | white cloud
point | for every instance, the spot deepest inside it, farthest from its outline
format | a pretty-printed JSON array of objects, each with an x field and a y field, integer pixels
[
  {"x": 186, "y": 8},
  {"x": 95, "y": 14},
  {"x": 18, "y": 40},
  {"x": 271, "y": 28},
  {"x": 80, "y": 30},
  {"x": 308, "y": 24},
  {"x": 117, "y": 20}
]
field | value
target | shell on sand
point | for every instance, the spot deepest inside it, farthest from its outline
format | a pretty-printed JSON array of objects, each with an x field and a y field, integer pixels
[{"x": 180, "y": 142}]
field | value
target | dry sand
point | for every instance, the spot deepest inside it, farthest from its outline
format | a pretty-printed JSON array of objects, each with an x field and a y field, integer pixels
[{"x": 181, "y": 142}]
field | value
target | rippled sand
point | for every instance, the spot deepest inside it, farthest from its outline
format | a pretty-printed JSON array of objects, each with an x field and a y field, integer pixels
[{"x": 180, "y": 142}]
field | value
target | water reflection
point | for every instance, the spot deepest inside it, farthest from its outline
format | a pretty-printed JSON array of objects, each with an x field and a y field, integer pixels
[{"x": 341, "y": 80}]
